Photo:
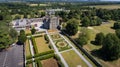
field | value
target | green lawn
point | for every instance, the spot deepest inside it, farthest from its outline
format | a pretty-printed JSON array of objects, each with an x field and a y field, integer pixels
[
  {"x": 42, "y": 46},
  {"x": 27, "y": 48},
  {"x": 107, "y": 6},
  {"x": 73, "y": 59}
]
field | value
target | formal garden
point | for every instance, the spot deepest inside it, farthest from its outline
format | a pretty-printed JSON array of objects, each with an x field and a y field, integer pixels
[
  {"x": 43, "y": 53},
  {"x": 60, "y": 43}
]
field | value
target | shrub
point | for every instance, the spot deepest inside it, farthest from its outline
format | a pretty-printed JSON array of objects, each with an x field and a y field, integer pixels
[
  {"x": 29, "y": 61},
  {"x": 34, "y": 45},
  {"x": 28, "y": 57},
  {"x": 38, "y": 36},
  {"x": 38, "y": 63},
  {"x": 46, "y": 38}
]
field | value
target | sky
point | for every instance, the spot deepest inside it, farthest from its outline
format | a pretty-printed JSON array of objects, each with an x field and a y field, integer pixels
[{"x": 110, "y": 0}]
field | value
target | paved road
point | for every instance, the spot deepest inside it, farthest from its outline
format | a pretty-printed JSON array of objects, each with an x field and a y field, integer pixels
[
  {"x": 56, "y": 50},
  {"x": 13, "y": 57},
  {"x": 82, "y": 57}
]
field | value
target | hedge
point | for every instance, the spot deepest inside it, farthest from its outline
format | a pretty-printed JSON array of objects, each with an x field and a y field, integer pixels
[
  {"x": 46, "y": 38},
  {"x": 44, "y": 53},
  {"x": 45, "y": 57},
  {"x": 60, "y": 64},
  {"x": 29, "y": 61},
  {"x": 34, "y": 45},
  {"x": 37, "y": 36},
  {"x": 40, "y": 54},
  {"x": 38, "y": 63}
]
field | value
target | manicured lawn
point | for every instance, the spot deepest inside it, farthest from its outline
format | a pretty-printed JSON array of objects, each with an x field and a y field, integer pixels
[
  {"x": 49, "y": 63},
  {"x": 27, "y": 31},
  {"x": 42, "y": 46},
  {"x": 27, "y": 48},
  {"x": 73, "y": 59}
]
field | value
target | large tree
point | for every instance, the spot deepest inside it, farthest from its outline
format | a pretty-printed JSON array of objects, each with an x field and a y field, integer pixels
[
  {"x": 118, "y": 33},
  {"x": 99, "y": 39},
  {"x": 72, "y": 27},
  {"x": 22, "y": 37},
  {"x": 85, "y": 21},
  {"x": 111, "y": 47}
]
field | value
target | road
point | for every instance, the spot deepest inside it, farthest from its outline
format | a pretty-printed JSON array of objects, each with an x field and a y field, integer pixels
[
  {"x": 56, "y": 50},
  {"x": 12, "y": 57}
]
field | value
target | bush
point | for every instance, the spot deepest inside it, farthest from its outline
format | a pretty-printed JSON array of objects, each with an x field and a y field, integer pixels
[
  {"x": 46, "y": 38},
  {"x": 28, "y": 57},
  {"x": 34, "y": 45},
  {"x": 29, "y": 61}
]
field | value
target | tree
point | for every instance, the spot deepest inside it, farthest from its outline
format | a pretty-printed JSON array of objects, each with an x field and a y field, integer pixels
[
  {"x": 85, "y": 21},
  {"x": 72, "y": 27},
  {"x": 5, "y": 39},
  {"x": 118, "y": 33},
  {"x": 33, "y": 30},
  {"x": 116, "y": 25},
  {"x": 99, "y": 38},
  {"x": 82, "y": 40},
  {"x": 111, "y": 47},
  {"x": 22, "y": 37},
  {"x": 13, "y": 33}
]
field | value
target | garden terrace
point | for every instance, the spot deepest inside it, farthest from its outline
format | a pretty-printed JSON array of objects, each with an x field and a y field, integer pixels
[
  {"x": 73, "y": 59},
  {"x": 55, "y": 36},
  {"x": 41, "y": 44}
]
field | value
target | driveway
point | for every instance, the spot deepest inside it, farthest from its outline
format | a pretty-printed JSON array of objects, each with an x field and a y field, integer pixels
[{"x": 12, "y": 57}]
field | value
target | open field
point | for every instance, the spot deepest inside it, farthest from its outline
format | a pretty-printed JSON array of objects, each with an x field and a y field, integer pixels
[
  {"x": 105, "y": 28},
  {"x": 49, "y": 63},
  {"x": 107, "y": 6},
  {"x": 27, "y": 48},
  {"x": 73, "y": 59},
  {"x": 42, "y": 45}
]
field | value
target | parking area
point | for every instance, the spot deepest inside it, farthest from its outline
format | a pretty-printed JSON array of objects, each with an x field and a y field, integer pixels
[{"x": 12, "y": 57}]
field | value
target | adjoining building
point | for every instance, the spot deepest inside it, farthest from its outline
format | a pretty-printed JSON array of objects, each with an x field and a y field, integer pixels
[{"x": 46, "y": 22}]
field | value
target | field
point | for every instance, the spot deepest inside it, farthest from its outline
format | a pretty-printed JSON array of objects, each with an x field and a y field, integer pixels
[
  {"x": 73, "y": 59},
  {"x": 49, "y": 63},
  {"x": 42, "y": 45},
  {"x": 107, "y": 6},
  {"x": 105, "y": 28},
  {"x": 27, "y": 48}
]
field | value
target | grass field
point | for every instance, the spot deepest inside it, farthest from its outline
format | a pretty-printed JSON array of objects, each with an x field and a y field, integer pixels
[
  {"x": 107, "y": 6},
  {"x": 73, "y": 59},
  {"x": 49, "y": 63},
  {"x": 27, "y": 48},
  {"x": 27, "y": 31},
  {"x": 42, "y": 46}
]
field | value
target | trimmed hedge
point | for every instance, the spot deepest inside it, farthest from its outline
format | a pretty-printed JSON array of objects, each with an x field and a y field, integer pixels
[
  {"x": 45, "y": 57},
  {"x": 60, "y": 64},
  {"x": 38, "y": 63},
  {"x": 46, "y": 38},
  {"x": 40, "y": 54},
  {"x": 29, "y": 61},
  {"x": 34, "y": 45},
  {"x": 44, "y": 53},
  {"x": 37, "y": 36},
  {"x": 28, "y": 34}
]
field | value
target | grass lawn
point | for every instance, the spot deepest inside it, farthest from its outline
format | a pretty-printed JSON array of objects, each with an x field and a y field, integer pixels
[
  {"x": 73, "y": 59},
  {"x": 106, "y": 6},
  {"x": 49, "y": 63},
  {"x": 27, "y": 48},
  {"x": 105, "y": 28},
  {"x": 27, "y": 31},
  {"x": 42, "y": 46}
]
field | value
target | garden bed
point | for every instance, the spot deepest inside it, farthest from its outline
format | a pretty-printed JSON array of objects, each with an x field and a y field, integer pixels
[
  {"x": 41, "y": 44},
  {"x": 56, "y": 36},
  {"x": 62, "y": 45},
  {"x": 51, "y": 62}
]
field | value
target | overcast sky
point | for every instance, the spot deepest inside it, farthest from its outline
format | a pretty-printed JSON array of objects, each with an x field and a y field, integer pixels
[{"x": 110, "y": 0}]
